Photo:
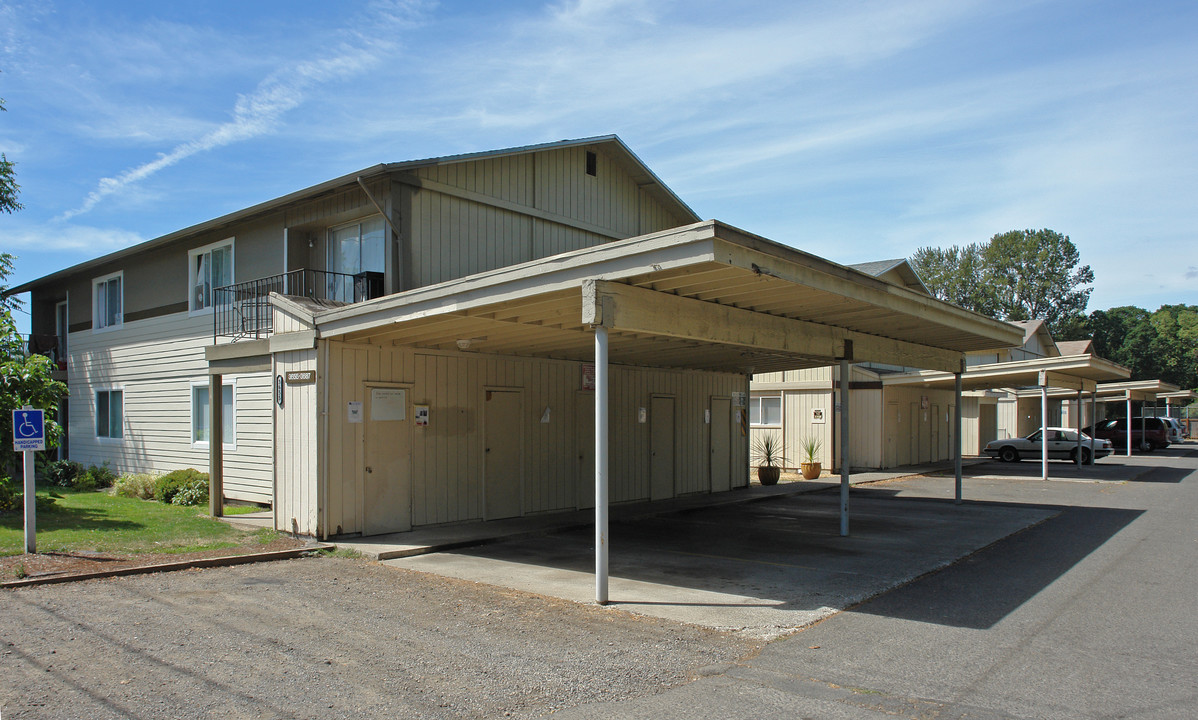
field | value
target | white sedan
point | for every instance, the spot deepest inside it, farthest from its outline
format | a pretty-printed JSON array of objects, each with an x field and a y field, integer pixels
[{"x": 1062, "y": 445}]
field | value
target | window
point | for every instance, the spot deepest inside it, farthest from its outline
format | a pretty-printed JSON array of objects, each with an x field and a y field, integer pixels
[
  {"x": 110, "y": 414},
  {"x": 592, "y": 163},
  {"x": 200, "y": 415},
  {"x": 765, "y": 410},
  {"x": 355, "y": 248},
  {"x": 107, "y": 300},
  {"x": 209, "y": 267}
]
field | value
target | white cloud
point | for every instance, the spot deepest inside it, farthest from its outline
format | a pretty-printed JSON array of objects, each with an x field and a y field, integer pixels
[
  {"x": 261, "y": 111},
  {"x": 63, "y": 236}
]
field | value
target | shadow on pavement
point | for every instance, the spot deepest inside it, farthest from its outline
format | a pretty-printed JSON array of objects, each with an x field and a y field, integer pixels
[{"x": 985, "y": 587}]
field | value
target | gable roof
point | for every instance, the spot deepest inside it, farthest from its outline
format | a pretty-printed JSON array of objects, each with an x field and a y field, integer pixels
[
  {"x": 612, "y": 144},
  {"x": 1038, "y": 326},
  {"x": 1076, "y": 347},
  {"x": 897, "y": 271}
]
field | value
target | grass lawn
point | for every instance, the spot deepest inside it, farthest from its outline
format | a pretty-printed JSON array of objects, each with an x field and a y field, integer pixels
[{"x": 97, "y": 521}]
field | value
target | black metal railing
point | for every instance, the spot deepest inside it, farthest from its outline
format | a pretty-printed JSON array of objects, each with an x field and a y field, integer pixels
[{"x": 243, "y": 310}]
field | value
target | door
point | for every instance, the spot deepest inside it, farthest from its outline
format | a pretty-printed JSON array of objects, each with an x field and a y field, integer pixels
[
  {"x": 387, "y": 488},
  {"x": 503, "y": 464},
  {"x": 721, "y": 444},
  {"x": 914, "y": 425},
  {"x": 893, "y": 418},
  {"x": 936, "y": 422},
  {"x": 584, "y": 425},
  {"x": 661, "y": 448}
]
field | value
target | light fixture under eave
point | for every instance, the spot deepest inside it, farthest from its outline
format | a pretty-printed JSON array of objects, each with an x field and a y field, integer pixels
[{"x": 467, "y": 343}]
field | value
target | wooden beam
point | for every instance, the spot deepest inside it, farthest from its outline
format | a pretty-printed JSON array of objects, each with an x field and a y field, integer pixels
[{"x": 627, "y": 308}]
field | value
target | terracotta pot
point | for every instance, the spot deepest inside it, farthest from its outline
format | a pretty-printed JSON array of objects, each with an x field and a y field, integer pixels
[
  {"x": 810, "y": 470},
  {"x": 768, "y": 475}
]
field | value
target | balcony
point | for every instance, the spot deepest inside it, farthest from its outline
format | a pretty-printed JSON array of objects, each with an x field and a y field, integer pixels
[{"x": 243, "y": 311}]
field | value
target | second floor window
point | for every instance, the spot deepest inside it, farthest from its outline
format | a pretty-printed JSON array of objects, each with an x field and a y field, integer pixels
[
  {"x": 211, "y": 267},
  {"x": 108, "y": 300}
]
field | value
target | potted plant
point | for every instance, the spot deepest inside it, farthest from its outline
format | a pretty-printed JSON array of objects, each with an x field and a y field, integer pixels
[
  {"x": 810, "y": 467},
  {"x": 769, "y": 453}
]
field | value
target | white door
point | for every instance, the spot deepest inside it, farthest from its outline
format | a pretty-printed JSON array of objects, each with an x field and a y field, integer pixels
[
  {"x": 503, "y": 464},
  {"x": 387, "y": 487},
  {"x": 721, "y": 444},
  {"x": 661, "y": 448}
]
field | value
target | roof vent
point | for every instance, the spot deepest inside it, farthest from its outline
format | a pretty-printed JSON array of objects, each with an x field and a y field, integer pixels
[{"x": 592, "y": 163}]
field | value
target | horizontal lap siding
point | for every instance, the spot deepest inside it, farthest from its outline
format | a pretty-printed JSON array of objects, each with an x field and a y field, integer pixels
[
  {"x": 448, "y": 455},
  {"x": 154, "y": 363}
]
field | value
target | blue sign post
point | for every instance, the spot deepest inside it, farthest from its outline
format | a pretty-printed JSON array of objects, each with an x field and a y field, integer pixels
[{"x": 28, "y": 436}]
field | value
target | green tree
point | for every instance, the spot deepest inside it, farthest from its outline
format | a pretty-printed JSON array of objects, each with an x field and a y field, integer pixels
[
  {"x": 1016, "y": 275},
  {"x": 25, "y": 380},
  {"x": 6, "y": 269},
  {"x": 9, "y": 189},
  {"x": 955, "y": 275}
]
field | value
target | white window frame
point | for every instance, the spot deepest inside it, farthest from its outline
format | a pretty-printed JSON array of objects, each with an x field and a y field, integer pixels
[
  {"x": 226, "y": 443},
  {"x": 191, "y": 272},
  {"x": 96, "y": 283},
  {"x": 756, "y": 400},
  {"x": 96, "y": 414}
]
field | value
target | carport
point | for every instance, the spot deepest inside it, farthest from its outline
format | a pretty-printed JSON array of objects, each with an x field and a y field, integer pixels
[
  {"x": 706, "y": 297},
  {"x": 1138, "y": 390},
  {"x": 1077, "y": 373}
]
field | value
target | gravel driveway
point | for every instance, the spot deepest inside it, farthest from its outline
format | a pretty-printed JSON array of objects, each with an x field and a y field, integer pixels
[{"x": 328, "y": 638}]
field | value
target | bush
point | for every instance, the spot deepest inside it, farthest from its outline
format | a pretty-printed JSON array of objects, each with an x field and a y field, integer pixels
[
  {"x": 193, "y": 492},
  {"x": 136, "y": 485},
  {"x": 94, "y": 478},
  {"x": 62, "y": 473},
  {"x": 9, "y": 498},
  {"x": 169, "y": 485}
]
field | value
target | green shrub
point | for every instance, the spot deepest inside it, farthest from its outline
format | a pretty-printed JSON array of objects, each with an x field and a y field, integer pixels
[
  {"x": 62, "y": 473},
  {"x": 193, "y": 492},
  {"x": 94, "y": 478},
  {"x": 135, "y": 485},
  {"x": 169, "y": 485},
  {"x": 9, "y": 498}
]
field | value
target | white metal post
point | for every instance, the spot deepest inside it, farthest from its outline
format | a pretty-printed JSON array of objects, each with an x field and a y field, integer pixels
[
  {"x": 601, "y": 392},
  {"x": 1128, "y": 424},
  {"x": 957, "y": 435},
  {"x": 1079, "y": 428},
  {"x": 844, "y": 448},
  {"x": 1043, "y": 430},
  {"x": 30, "y": 505}
]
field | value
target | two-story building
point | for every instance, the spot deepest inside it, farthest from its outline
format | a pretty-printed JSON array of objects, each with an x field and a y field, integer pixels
[{"x": 444, "y": 340}]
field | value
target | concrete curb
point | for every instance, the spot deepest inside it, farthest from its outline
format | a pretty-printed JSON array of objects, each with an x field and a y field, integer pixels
[{"x": 224, "y": 561}]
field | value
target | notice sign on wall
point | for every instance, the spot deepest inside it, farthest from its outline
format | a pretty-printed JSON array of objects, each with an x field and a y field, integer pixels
[
  {"x": 353, "y": 411},
  {"x": 817, "y": 415},
  {"x": 588, "y": 376},
  {"x": 388, "y": 404},
  {"x": 739, "y": 399}
]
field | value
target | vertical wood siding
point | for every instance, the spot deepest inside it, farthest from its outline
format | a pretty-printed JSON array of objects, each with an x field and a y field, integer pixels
[
  {"x": 297, "y": 443},
  {"x": 448, "y": 454}
]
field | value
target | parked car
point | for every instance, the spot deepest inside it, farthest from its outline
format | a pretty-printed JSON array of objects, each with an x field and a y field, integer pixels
[
  {"x": 1177, "y": 431},
  {"x": 1155, "y": 433},
  {"x": 1062, "y": 445}
]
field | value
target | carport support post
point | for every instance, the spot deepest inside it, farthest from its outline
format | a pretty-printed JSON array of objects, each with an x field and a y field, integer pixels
[
  {"x": 1043, "y": 428},
  {"x": 957, "y": 434},
  {"x": 1079, "y": 428},
  {"x": 844, "y": 448},
  {"x": 216, "y": 443},
  {"x": 1129, "y": 424},
  {"x": 601, "y": 392}
]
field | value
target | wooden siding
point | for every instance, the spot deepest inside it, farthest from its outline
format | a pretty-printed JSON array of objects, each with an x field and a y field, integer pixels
[
  {"x": 925, "y": 436},
  {"x": 154, "y": 363},
  {"x": 298, "y": 430},
  {"x": 447, "y": 457},
  {"x": 451, "y": 237}
]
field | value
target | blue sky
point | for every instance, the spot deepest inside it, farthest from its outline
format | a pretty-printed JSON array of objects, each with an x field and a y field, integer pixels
[{"x": 853, "y": 130}]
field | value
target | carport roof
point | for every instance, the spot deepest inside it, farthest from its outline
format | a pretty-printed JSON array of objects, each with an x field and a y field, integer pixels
[
  {"x": 1134, "y": 390},
  {"x": 704, "y": 296},
  {"x": 1071, "y": 372}
]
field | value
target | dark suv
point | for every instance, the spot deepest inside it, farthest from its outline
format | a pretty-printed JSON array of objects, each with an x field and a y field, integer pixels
[{"x": 1154, "y": 435}]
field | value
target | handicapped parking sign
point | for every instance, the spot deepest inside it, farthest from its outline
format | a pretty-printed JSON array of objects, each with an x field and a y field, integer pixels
[{"x": 28, "y": 430}]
